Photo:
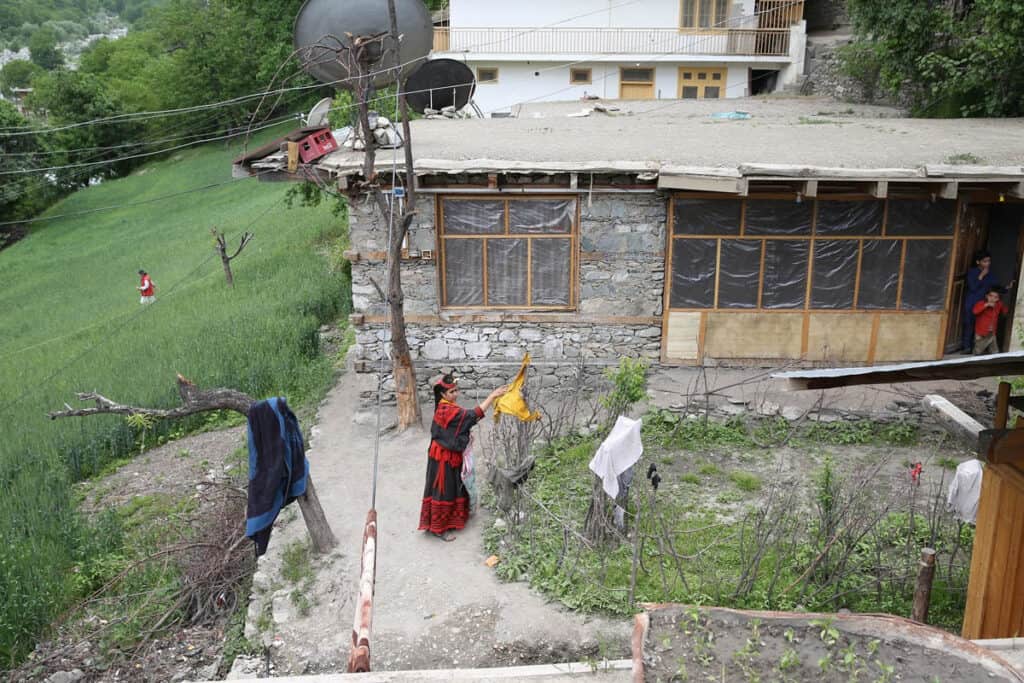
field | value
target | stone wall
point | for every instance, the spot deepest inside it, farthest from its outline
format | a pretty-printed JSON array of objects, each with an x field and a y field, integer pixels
[
  {"x": 620, "y": 297},
  {"x": 825, "y": 15}
]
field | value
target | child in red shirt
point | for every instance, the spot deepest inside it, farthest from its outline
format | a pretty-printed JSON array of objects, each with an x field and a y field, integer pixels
[{"x": 986, "y": 316}]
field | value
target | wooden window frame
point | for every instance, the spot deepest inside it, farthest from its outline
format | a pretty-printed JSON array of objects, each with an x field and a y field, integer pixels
[
  {"x": 811, "y": 238},
  {"x": 718, "y": 24},
  {"x": 572, "y": 236},
  {"x": 481, "y": 81},
  {"x": 574, "y": 71}
]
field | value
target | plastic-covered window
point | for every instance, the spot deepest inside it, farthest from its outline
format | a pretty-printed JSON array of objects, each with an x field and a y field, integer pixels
[
  {"x": 506, "y": 272},
  {"x": 785, "y": 273},
  {"x": 474, "y": 217},
  {"x": 850, "y": 219},
  {"x": 920, "y": 217},
  {"x": 879, "y": 274},
  {"x": 693, "y": 273},
  {"x": 707, "y": 216},
  {"x": 778, "y": 217},
  {"x": 541, "y": 215},
  {"x": 463, "y": 272},
  {"x": 739, "y": 273},
  {"x": 834, "y": 274},
  {"x": 550, "y": 263},
  {"x": 925, "y": 274}
]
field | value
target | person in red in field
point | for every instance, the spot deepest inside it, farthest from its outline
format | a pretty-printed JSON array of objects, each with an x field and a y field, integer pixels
[
  {"x": 986, "y": 317},
  {"x": 146, "y": 288},
  {"x": 445, "y": 502}
]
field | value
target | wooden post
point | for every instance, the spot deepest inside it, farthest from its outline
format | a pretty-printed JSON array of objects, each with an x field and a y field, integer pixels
[
  {"x": 923, "y": 588},
  {"x": 1002, "y": 406},
  {"x": 320, "y": 533}
]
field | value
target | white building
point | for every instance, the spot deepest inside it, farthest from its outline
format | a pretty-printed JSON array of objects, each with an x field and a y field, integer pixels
[{"x": 548, "y": 50}]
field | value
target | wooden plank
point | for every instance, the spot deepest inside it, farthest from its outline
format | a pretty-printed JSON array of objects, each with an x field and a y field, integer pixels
[
  {"x": 511, "y": 316},
  {"x": 962, "y": 426},
  {"x": 873, "y": 344},
  {"x": 978, "y": 585},
  {"x": 856, "y": 278},
  {"x": 699, "y": 183},
  {"x": 293, "y": 156},
  {"x": 682, "y": 340},
  {"x": 949, "y": 190},
  {"x": 809, "y": 189},
  {"x": 667, "y": 279},
  {"x": 753, "y": 335},
  {"x": 902, "y": 274},
  {"x": 879, "y": 189},
  {"x": 718, "y": 267}
]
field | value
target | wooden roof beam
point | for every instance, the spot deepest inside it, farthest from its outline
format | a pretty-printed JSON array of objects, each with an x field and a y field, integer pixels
[
  {"x": 809, "y": 189},
  {"x": 879, "y": 189},
  {"x": 949, "y": 190}
]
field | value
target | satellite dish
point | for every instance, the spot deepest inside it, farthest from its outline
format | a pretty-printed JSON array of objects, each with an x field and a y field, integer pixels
[
  {"x": 440, "y": 83},
  {"x": 317, "y": 117},
  {"x": 324, "y": 28}
]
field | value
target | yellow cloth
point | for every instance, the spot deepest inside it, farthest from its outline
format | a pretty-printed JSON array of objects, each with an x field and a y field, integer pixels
[{"x": 513, "y": 403}]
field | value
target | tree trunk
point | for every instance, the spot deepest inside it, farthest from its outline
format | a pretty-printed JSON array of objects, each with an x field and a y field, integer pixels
[{"x": 226, "y": 262}]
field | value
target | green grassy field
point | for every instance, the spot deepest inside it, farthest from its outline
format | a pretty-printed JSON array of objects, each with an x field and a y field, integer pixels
[{"x": 70, "y": 320}]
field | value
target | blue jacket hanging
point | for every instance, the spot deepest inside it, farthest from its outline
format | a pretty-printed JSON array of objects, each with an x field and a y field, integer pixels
[{"x": 277, "y": 466}]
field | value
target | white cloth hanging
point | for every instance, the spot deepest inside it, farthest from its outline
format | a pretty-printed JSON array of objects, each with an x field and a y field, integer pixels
[
  {"x": 965, "y": 490},
  {"x": 617, "y": 453}
]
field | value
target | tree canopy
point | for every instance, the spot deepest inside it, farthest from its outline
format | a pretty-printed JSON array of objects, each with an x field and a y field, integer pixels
[{"x": 951, "y": 58}]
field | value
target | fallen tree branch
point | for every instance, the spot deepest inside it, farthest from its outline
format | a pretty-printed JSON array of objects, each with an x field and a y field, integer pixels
[{"x": 193, "y": 401}]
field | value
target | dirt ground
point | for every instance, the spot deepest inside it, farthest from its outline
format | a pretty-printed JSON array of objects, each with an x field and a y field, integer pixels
[
  {"x": 700, "y": 644},
  {"x": 437, "y": 605}
]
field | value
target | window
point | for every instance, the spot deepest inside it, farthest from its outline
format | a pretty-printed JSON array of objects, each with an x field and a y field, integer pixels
[
  {"x": 817, "y": 254},
  {"x": 708, "y": 14},
  {"x": 486, "y": 74},
  {"x": 580, "y": 76},
  {"x": 516, "y": 252},
  {"x": 701, "y": 83},
  {"x": 644, "y": 76}
]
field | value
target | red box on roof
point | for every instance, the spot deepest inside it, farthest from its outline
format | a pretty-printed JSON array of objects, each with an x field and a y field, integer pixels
[{"x": 314, "y": 146}]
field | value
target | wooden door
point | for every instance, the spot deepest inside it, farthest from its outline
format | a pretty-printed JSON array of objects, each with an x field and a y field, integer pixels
[
  {"x": 973, "y": 234},
  {"x": 636, "y": 84},
  {"x": 701, "y": 83}
]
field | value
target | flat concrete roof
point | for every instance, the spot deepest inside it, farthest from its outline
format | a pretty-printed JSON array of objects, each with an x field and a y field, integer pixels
[{"x": 795, "y": 136}]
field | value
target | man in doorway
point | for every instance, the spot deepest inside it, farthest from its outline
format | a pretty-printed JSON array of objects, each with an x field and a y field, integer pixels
[
  {"x": 986, "y": 317},
  {"x": 146, "y": 288}
]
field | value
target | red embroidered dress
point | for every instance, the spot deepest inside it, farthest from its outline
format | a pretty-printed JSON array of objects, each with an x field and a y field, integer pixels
[{"x": 445, "y": 501}]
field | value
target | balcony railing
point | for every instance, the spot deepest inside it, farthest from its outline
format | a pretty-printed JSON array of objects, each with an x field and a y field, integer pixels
[{"x": 773, "y": 42}]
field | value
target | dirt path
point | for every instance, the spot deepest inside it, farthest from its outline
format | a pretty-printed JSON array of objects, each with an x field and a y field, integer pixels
[{"x": 437, "y": 605}]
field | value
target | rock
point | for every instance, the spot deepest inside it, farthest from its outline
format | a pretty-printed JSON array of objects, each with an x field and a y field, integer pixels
[
  {"x": 732, "y": 409},
  {"x": 478, "y": 349},
  {"x": 507, "y": 336},
  {"x": 649, "y": 332},
  {"x": 435, "y": 349},
  {"x": 792, "y": 412},
  {"x": 282, "y": 609},
  {"x": 768, "y": 408},
  {"x": 553, "y": 349},
  {"x": 530, "y": 334},
  {"x": 500, "y": 524},
  {"x": 66, "y": 676}
]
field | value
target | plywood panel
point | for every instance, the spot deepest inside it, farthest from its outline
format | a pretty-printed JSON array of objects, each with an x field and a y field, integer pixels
[
  {"x": 839, "y": 336},
  {"x": 683, "y": 336},
  {"x": 753, "y": 335},
  {"x": 994, "y": 605},
  {"x": 908, "y": 336}
]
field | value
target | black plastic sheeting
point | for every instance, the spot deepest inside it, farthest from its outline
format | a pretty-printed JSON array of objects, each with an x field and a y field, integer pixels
[
  {"x": 785, "y": 273},
  {"x": 506, "y": 272},
  {"x": 707, "y": 216},
  {"x": 879, "y": 274},
  {"x": 925, "y": 275},
  {"x": 464, "y": 272},
  {"x": 541, "y": 215},
  {"x": 778, "y": 217},
  {"x": 835, "y": 274},
  {"x": 474, "y": 217},
  {"x": 920, "y": 217},
  {"x": 739, "y": 273},
  {"x": 693, "y": 273},
  {"x": 850, "y": 218},
  {"x": 551, "y": 263}
]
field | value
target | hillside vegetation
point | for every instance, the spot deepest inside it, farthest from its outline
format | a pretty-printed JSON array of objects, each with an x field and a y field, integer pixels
[{"x": 72, "y": 321}]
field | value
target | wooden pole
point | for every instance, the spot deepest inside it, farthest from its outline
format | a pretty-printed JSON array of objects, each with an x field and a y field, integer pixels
[
  {"x": 1002, "y": 405},
  {"x": 923, "y": 588},
  {"x": 320, "y": 533}
]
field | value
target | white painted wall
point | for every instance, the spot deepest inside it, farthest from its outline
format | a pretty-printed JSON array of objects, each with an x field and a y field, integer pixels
[{"x": 549, "y": 82}]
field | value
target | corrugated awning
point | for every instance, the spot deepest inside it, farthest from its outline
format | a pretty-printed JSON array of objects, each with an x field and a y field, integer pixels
[{"x": 976, "y": 367}]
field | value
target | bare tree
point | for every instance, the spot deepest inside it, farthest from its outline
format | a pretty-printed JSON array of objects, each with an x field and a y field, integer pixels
[{"x": 221, "y": 246}]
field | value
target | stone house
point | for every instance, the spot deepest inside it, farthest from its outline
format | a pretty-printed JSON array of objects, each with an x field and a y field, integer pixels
[{"x": 788, "y": 232}]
